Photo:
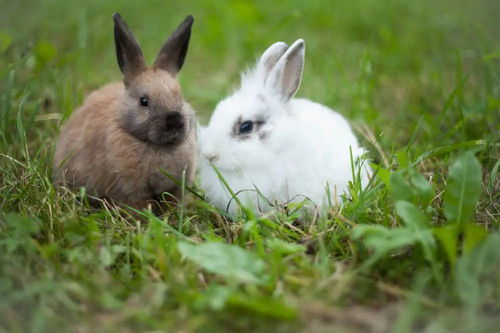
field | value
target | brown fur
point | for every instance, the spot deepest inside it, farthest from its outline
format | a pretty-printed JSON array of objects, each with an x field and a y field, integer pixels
[{"x": 96, "y": 152}]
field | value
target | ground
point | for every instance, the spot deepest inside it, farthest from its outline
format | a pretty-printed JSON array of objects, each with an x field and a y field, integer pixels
[{"x": 418, "y": 249}]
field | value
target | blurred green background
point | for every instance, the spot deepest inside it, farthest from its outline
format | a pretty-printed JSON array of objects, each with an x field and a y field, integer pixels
[
  {"x": 392, "y": 61},
  {"x": 420, "y": 81}
]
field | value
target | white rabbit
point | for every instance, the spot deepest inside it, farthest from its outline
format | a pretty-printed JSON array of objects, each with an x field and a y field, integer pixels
[{"x": 265, "y": 143}]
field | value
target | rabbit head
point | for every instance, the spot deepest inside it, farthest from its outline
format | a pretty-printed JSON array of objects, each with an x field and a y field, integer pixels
[
  {"x": 240, "y": 130},
  {"x": 153, "y": 109}
]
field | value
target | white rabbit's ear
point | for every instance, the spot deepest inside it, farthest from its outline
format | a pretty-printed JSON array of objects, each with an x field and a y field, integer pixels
[
  {"x": 285, "y": 76},
  {"x": 269, "y": 58}
]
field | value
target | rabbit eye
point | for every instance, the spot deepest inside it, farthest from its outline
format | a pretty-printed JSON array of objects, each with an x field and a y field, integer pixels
[
  {"x": 144, "y": 101},
  {"x": 246, "y": 127}
]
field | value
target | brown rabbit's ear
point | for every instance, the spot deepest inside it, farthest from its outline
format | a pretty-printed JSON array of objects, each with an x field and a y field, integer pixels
[
  {"x": 173, "y": 52},
  {"x": 128, "y": 51}
]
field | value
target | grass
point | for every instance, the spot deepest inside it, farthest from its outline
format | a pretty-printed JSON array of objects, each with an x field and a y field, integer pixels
[{"x": 417, "y": 250}]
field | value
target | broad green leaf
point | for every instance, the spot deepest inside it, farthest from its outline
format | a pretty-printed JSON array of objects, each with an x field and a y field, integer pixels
[
  {"x": 412, "y": 216},
  {"x": 105, "y": 256},
  {"x": 227, "y": 260},
  {"x": 400, "y": 189},
  {"x": 448, "y": 236},
  {"x": 473, "y": 235},
  {"x": 409, "y": 185},
  {"x": 421, "y": 188},
  {"x": 216, "y": 296},
  {"x": 383, "y": 240},
  {"x": 477, "y": 272},
  {"x": 415, "y": 232},
  {"x": 283, "y": 247},
  {"x": 383, "y": 174},
  {"x": 464, "y": 189},
  {"x": 418, "y": 223}
]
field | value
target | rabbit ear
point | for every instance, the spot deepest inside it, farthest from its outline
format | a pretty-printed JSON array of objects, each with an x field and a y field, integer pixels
[
  {"x": 285, "y": 76},
  {"x": 173, "y": 52},
  {"x": 128, "y": 51},
  {"x": 270, "y": 57}
]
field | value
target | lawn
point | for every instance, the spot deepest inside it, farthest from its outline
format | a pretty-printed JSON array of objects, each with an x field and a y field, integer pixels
[{"x": 419, "y": 249}]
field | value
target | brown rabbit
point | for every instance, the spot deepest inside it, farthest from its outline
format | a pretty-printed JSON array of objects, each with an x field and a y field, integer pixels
[{"x": 119, "y": 141}]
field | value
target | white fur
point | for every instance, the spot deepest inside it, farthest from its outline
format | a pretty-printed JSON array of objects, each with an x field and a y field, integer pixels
[{"x": 305, "y": 146}]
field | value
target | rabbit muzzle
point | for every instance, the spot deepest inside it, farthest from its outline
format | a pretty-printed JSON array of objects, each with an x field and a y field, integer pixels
[{"x": 169, "y": 129}]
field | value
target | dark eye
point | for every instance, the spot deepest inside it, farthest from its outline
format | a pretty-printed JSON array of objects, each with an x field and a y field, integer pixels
[
  {"x": 144, "y": 101},
  {"x": 246, "y": 127}
]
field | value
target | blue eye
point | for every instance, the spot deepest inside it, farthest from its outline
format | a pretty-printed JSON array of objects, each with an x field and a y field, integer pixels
[{"x": 246, "y": 127}]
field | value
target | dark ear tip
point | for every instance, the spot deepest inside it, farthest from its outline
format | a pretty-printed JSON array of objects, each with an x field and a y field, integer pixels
[
  {"x": 117, "y": 17},
  {"x": 189, "y": 20}
]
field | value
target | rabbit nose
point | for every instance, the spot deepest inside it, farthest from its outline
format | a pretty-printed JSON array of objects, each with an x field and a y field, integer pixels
[{"x": 173, "y": 121}]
